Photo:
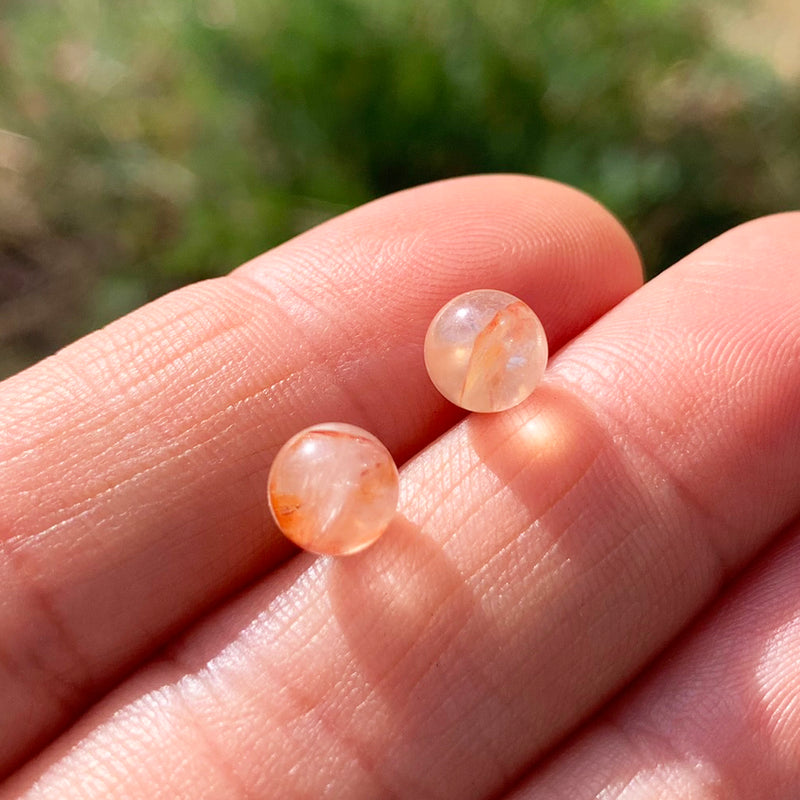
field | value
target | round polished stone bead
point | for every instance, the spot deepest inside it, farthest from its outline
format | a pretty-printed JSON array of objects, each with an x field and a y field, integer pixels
[
  {"x": 333, "y": 488},
  {"x": 486, "y": 350}
]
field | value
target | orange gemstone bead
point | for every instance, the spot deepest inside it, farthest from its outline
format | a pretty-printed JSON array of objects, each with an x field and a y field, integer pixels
[
  {"x": 333, "y": 489},
  {"x": 486, "y": 350}
]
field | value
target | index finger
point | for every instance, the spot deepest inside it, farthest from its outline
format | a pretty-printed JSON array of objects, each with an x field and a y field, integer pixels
[{"x": 133, "y": 464}]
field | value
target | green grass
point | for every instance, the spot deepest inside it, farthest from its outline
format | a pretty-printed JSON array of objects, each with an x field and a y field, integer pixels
[{"x": 163, "y": 145}]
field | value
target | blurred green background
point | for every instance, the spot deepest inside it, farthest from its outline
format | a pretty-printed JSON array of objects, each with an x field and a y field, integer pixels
[{"x": 143, "y": 146}]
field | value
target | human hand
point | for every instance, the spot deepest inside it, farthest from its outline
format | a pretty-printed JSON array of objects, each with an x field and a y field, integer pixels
[{"x": 556, "y": 611}]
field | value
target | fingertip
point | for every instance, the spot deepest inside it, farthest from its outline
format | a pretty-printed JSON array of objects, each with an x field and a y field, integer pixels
[
  {"x": 560, "y": 250},
  {"x": 770, "y": 242}
]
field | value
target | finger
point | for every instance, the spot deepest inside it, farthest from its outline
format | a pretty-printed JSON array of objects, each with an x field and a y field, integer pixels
[
  {"x": 134, "y": 463},
  {"x": 720, "y": 718},
  {"x": 539, "y": 559}
]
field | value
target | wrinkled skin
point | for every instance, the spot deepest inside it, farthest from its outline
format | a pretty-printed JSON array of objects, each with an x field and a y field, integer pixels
[{"x": 592, "y": 595}]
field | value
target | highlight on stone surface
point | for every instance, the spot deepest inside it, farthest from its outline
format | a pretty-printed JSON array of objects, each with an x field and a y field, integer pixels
[
  {"x": 333, "y": 488},
  {"x": 486, "y": 350}
]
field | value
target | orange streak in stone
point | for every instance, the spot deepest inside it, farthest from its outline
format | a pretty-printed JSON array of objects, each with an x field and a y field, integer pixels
[
  {"x": 374, "y": 480},
  {"x": 487, "y": 362},
  {"x": 291, "y": 521},
  {"x": 341, "y": 435}
]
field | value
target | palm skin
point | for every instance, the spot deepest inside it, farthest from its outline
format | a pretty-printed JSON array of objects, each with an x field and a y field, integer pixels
[{"x": 594, "y": 594}]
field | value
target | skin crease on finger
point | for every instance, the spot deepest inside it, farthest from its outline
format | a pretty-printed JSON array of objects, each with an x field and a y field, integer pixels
[
  {"x": 539, "y": 559},
  {"x": 133, "y": 463},
  {"x": 719, "y": 721}
]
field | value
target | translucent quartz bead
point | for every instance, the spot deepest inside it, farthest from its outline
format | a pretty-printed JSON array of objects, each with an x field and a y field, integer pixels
[
  {"x": 486, "y": 350},
  {"x": 333, "y": 489}
]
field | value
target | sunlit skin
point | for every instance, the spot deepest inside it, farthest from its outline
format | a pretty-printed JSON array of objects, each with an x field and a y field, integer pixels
[{"x": 593, "y": 594}]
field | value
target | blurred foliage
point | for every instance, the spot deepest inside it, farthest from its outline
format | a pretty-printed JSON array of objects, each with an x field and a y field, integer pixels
[{"x": 146, "y": 146}]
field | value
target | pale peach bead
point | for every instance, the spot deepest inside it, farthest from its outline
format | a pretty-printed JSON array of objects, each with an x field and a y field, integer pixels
[
  {"x": 333, "y": 488},
  {"x": 486, "y": 350}
]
